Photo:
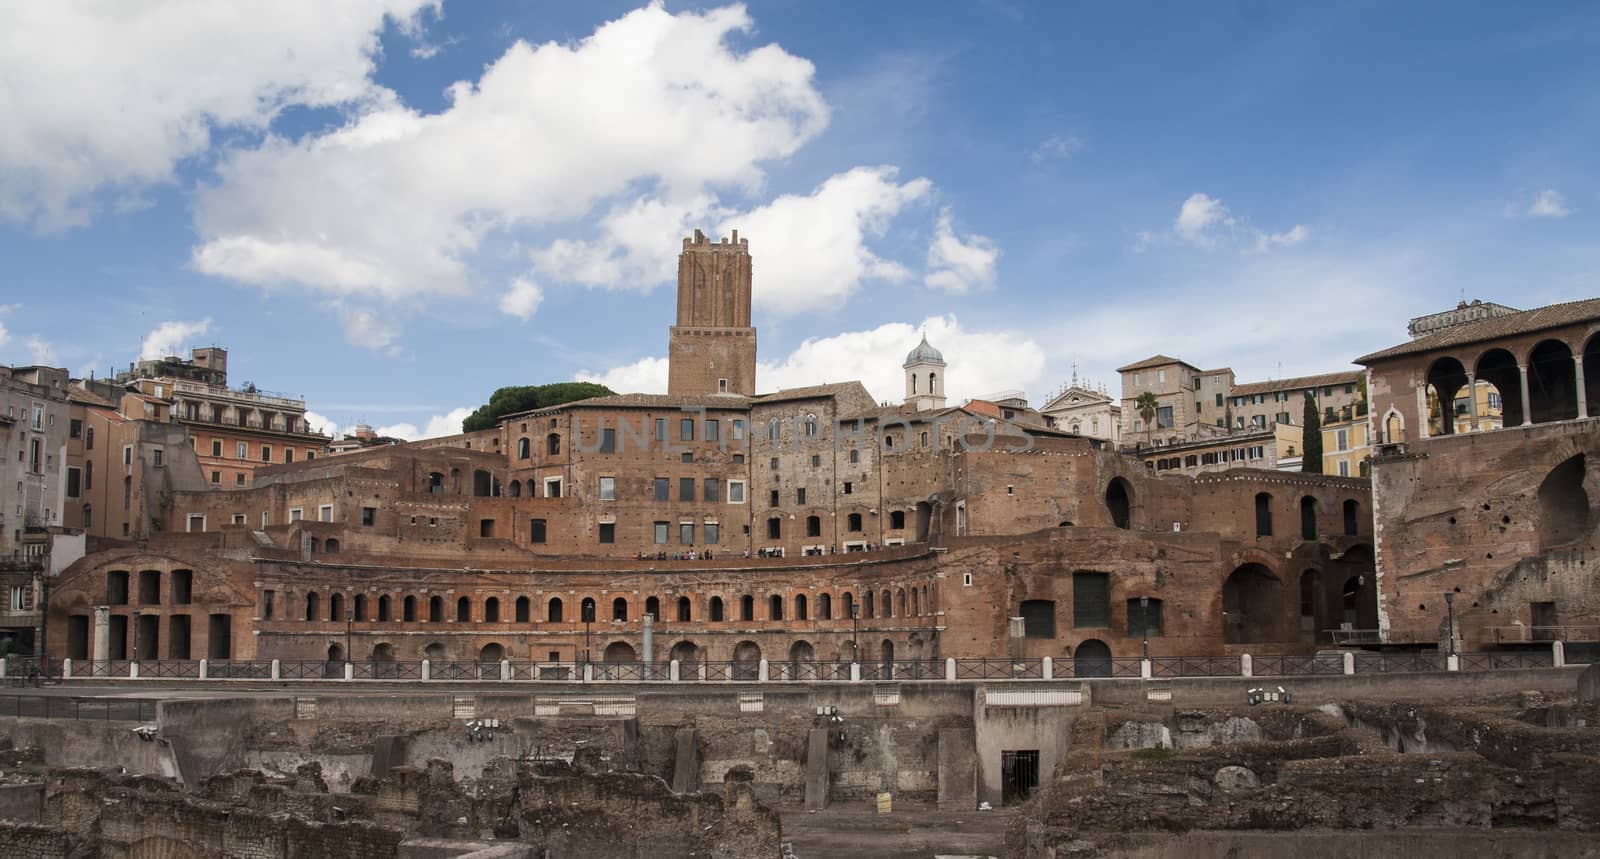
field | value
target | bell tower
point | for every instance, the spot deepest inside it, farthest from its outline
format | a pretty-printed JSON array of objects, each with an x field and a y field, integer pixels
[
  {"x": 712, "y": 349},
  {"x": 924, "y": 368}
]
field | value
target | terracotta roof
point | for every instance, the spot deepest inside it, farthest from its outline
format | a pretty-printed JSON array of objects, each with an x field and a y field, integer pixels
[
  {"x": 809, "y": 392},
  {"x": 1154, "y": 361},
  {"x": 906, "y": 413},
  {"x": 1524, "y": 322},
  {"x": 79, "y": 395},
  {"x": 1348, "y": 377}
]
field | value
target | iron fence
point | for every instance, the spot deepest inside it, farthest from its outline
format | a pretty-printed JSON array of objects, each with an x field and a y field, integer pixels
[
  {"x": 183, "y": 669},
  {"x": 1195, "y": 666},
  {"x": 95, "y": 709},
  {"x": 236, "y": 670},
  {"x": 1399, "y": 662},
  {"x": 1501, "y": 660},
  {"x": 386, "y": 670},
  {"x": 908, "y": 669},
  {"x": 999, "y": 669},
  {"x": 1297, "y": 666}
]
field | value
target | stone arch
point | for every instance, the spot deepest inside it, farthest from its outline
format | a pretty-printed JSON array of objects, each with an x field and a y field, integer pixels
[
  {"x": 1564, "y": 513},
  {"x": 1499, "y": 368},
  {"x": 1591, "y": 376},
  {"x": 802, "y": 651},
  {"x": 516, "y": 489},
  {"x": 1250, "y": 605},
  {"x": 1394, "y": 426},
  {"x": 746, "y": 660},
  {"x": 619, "y": 651},
  {"x": 1119, "y": 503},
  {"x": 491, "y": 652},
  {"x": 1092, "y": 658},
  {"x": 684, "y": 652},
  {"x": 1552, "y": 382},
  {"x": 436, "y": 652},
  {"x": 1446, "y": 377},
  {"x": 383, "y": 651}
]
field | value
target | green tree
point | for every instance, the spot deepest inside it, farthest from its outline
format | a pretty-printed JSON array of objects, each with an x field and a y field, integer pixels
[
  {"x": 1311, "y": 459},
  {"x": 1146, "y": 404},
  {"x": 521, "y": 398}
]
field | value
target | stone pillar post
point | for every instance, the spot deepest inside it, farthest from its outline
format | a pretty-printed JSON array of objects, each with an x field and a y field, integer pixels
[
  {"x": 761, "y": 671},
  {"x": 102, "y": 633},
  {"x": 1146, "y": 670},
  {"x": 1558, "y": 654},
  {"x": 505, "y": 670},
  {"x": 1422, "y": 412},
  {"x": 1452, "y": 663},
  {"x": 1472, "y": 401},
  {"x": 1244, "y": 666},
  {"x": 276, "y": 672},
  {"x": 66, "y": 668},
  {"x": 1349, "y": 663},
  {"x": 349, "y": 670},
  {"x": 647, "y": 645},
  {"x": 672, "y": 670},
  {"x": 1048, "y": 670},
  {"x": 427, "y": 669},
  {"x": 205, "y": 669},
  {"x": 588, "y": 672},
  {"x": 1527, "y": 413},
  {"x": 855, "y": 672},
  {"x": 1583, "y": 394},
  {"x": 950, "y": 668}
]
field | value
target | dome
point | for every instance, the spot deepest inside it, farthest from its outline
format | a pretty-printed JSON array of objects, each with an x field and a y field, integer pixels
[{"x": 924, "y": 354}]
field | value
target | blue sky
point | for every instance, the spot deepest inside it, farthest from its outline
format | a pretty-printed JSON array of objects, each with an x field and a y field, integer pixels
[{"x": 394, "y": 207}]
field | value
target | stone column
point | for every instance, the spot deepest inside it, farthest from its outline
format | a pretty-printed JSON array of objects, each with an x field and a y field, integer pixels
[
  {"x": 1583, "y": 396},
  {"x": 102, "y": 633},
  {"x": 1527, "y": 413},
  {"x": 647, "y": 645},
  {"x": 1422, "y": 412},
  {"x": 1472, "y": 401}
]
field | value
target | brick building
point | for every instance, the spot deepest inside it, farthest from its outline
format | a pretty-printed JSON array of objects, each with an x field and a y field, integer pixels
[
  {"x": 803, "y": 525},
  {"x": 1489, "y": 518}
]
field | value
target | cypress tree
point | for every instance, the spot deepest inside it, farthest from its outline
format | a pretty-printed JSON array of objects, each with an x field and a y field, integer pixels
[{"x": 1311, "y": 444}]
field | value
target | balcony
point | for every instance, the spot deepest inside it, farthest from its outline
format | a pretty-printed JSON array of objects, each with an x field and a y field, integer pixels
[{"x": 219, "y": 393}]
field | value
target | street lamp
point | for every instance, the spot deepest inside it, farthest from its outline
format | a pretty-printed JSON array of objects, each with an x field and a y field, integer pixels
[
  {"x": 855, "y": 636},
  {"x": 136, "y": 615},
  {"x": 588, "y": 618},
  {"x": 349, "y": 622},
  {"x": 1450, "y": 608},
  {"x": 1144, "y": 624}
]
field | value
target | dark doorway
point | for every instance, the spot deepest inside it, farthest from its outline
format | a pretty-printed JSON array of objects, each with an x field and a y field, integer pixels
[
  {"x": 78, "y": 637},
  {"x": 1119, "y": 503},
  {"x": 178, "y": 637},
  {"x": 1019, "y": 775},
  {"x": 1545, "y": 624},
  {"x": 1308, "y": 518},
  {"x": 1250, "y": 606},
  {"x": 1092, "y": 659},
  {"x": 219, "y": 637},
  {"x": 1564, "y": 515}
]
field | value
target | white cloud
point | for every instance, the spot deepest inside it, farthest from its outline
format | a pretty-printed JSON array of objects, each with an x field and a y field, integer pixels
[
  {"x": 1204, "y": 222},
  {"x": 812, "y": 251},
  {"x": 368, "y": 329},
  {"x": 981, "y": 362},
  {"x": 438, "y": 425},
  {"x": 322, "y": 423},
  {"x": 957, "y": 265},
  {"x": 644, "y": 376},
  {"x": 1057, "y": 147},
  {"x": 40, "y": 351},
  {"x": 117, "y": 94},
  {"x": 169, "y": 338},
  {"x": 1549, "y": 204},
  {"x": 522, "y": 299},
  {"x": 394, "y": 202}
]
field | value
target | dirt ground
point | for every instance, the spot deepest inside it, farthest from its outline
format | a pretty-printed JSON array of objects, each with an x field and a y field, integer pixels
[{"x": 857, "y": 831}]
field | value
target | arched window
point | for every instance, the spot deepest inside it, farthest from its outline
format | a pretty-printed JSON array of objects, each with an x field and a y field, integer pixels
[
  {"x": 824, "y": 606},
  {"x": 1352, "y": 513},
  {"x": 915, "y": 609},
  {"x": 813, "y": 526},
  {"x": 331, "y": 546},
  {"x": 1263, "y": 514},
  {"x": 619, "y": 609},
  {"x": 810, "y": 425},
  {"x": 463, "y": 610},
  {"x": 652, "y": 607},
  {"x": 516, "y": 489},
  {"x": 1119, "y": 502},
  {"x": 336, "y": 607},
  {"x": 552, "y": 444},
  {"x": 866, "y": 607},
  {"x": 855, "y": 522},
  {"x": 800, "y": 607},
  {"x": 491, "y": 610},
  {"x": 888, "y": 604},
  {"x": 313, "y": 605},
  {"x": 435, "y": 609},
  {"x": 524, "y": 450},
  {"x": 683, "y": 609},
  {"x": 361, "y": 607},
  {"x": 897, "y": 520},
  {"x": 716, "y": 609},
  {"x": 848, "y": 604},
  {"x": 586, "y": 610},
  {"x": 553, "y": 612},
  {"x": 88, "y": 439},
  {"x": 933, "y": 383},
  {"x": 747, "y": 607},
  {"x": 522, "y": 610},
  {"x": 775, "y": 607},
  {"x": 1308, "y": 518}
]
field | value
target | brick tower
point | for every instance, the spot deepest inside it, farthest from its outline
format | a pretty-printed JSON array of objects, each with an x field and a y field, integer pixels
[{"x": 712, "y": 349}]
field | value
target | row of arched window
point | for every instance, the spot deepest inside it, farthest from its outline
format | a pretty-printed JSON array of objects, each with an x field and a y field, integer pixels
[{"x": 885, "y": 603}]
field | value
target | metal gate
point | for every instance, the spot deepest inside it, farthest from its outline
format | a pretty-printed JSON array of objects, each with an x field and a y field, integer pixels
[{"x": 1019, "y": 775}]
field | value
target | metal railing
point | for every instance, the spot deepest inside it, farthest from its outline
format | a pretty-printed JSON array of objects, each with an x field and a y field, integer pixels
[
  {"x": 1540, "y": 634},
  {"x": 1195, "y": 666},
  {"x": 1083, "y": 666}
]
